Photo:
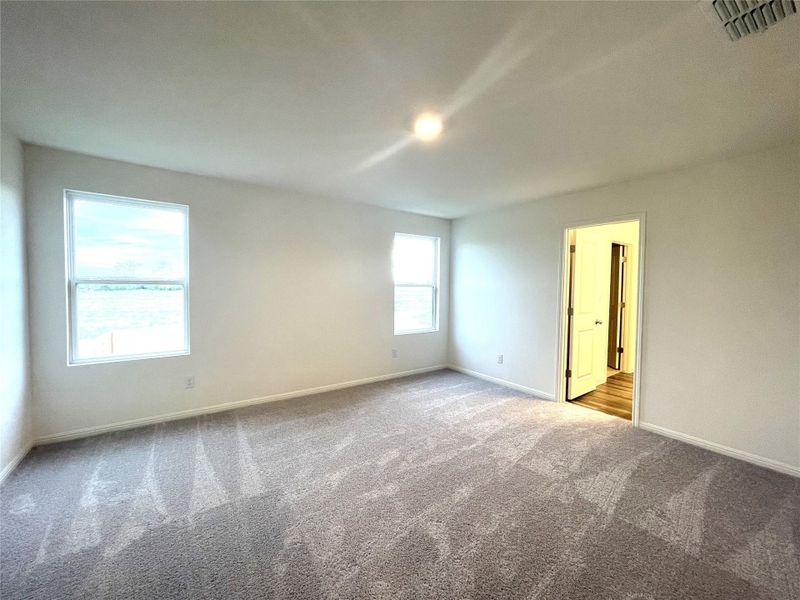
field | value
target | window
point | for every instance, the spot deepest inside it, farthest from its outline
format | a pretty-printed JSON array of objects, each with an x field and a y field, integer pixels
[
  {"x": 415, "y": 265},
  {"x": 128, "y": 276}
]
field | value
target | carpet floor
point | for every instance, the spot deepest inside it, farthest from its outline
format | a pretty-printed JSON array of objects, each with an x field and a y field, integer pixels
[{"x": 433, "y": 486}]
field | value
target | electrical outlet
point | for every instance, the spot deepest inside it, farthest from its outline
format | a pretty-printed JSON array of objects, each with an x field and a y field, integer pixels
[
  {"x": 188, "y": 383},
  {"x": 394, "y": 353},
  {"x": 499, "y": 359}
]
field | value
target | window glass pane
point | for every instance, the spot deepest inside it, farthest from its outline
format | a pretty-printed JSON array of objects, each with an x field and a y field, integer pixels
[
  {"x": 128, "y": 240},
  {"x": 413, "y": 308},
  {"x": 414, "y": 259},
  {"x": 129, "y": 319}
]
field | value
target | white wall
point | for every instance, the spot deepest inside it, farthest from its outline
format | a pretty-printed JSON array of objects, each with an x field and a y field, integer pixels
[
  {"x": 288, "y": 292},
  {"x": 721, "y": 324},
  {"x": 15, "y": 413}
]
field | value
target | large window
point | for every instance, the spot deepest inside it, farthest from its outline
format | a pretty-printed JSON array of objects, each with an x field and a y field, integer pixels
[
  {"x": 128, "y": 272},
  {"x": 415, "y": 265}
]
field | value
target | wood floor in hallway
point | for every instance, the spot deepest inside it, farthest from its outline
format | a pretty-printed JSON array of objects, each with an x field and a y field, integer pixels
[{"x": 614, "y": 397}]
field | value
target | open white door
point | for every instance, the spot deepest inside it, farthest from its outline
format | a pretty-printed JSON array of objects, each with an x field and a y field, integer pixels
[{"x": 584, "y": 321}]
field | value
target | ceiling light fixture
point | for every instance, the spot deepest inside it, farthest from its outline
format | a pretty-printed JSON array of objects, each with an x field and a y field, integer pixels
[{"x": 428, "y": 126}]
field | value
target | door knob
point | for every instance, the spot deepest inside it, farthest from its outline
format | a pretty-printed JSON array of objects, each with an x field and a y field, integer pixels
[{"x": 598, "y": 322}]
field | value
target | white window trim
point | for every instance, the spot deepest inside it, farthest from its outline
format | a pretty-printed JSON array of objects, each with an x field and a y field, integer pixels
[
  {"x": 72, "y": 281},
  {"x": 436, "y": 268}
]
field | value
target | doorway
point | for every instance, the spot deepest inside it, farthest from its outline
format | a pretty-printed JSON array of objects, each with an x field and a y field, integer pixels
[{"x": 600, "y": 332}]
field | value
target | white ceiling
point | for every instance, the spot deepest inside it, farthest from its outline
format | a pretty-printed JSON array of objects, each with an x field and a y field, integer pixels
[{"x": 542, "y": 98}]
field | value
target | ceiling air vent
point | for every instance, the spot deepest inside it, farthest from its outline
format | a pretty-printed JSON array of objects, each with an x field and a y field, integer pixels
[{"x": 743, "y": 17}]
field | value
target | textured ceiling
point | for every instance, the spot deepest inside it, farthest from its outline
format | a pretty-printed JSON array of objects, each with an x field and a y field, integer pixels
[{"x": 541, "y": 98}]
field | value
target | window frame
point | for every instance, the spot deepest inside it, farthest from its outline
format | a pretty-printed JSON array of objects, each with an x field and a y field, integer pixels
[
  {"x": 435, "y": 286},
  {"x": 72, "y": 282}
]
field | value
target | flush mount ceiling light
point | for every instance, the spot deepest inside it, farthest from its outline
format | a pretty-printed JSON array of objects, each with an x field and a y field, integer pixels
[{"x": 428, "y": 126}]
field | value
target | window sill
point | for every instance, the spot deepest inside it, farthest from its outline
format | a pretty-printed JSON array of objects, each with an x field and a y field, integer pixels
[
  {"x": 117, "y": 359},
  {"x": 415, "y": 331}
]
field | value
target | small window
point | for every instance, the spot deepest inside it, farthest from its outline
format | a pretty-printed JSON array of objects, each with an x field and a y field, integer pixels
[
  {"x": 128, "y": 278},
  {"x": 415, "y": 265}
]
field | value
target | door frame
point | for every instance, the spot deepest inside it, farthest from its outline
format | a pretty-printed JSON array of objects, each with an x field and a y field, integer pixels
[
  {"x": 626, "y": 292},
  {"x": 563, "y": 300}
]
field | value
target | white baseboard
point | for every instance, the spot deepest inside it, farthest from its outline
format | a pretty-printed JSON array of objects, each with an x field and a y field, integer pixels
[
  {"x": 193, "y": 412},
  {"x": 12, "y": 464},
  {"x": 184, "y": 414},
  {"x": 514, "y": 386},
  {"x": 755, "y": 459}
]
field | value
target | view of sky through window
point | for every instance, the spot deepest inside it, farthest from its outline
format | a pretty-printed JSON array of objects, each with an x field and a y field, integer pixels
[{"x": 115, "y": 240}]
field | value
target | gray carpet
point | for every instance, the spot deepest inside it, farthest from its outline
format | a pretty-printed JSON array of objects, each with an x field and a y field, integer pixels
[{"x": 435, "y": 486}]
